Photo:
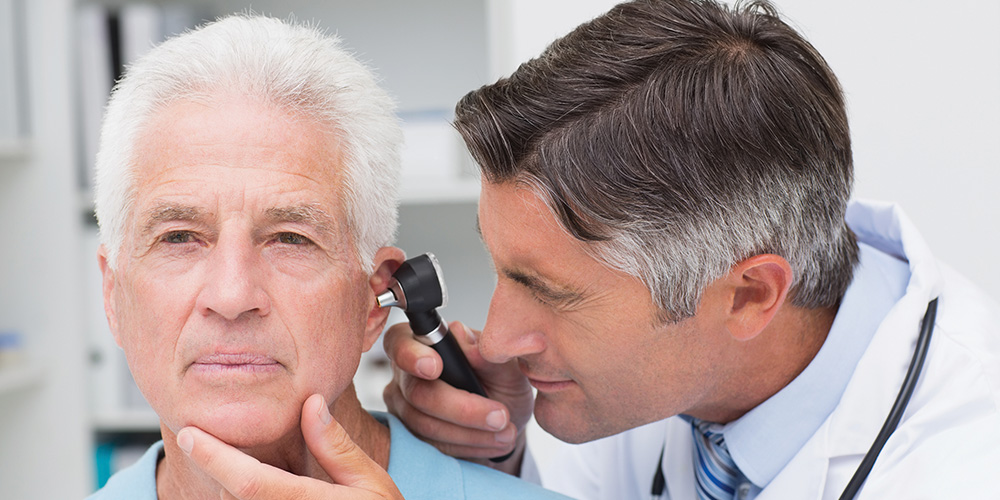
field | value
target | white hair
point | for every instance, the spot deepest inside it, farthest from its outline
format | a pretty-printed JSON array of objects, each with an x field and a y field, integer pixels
[{"x": 295, "y": 67}]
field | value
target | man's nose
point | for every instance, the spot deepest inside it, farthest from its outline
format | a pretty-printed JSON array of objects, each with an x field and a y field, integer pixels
[
  {"x": 512, "y": 328},
  {"x": 234, "y": 280}
]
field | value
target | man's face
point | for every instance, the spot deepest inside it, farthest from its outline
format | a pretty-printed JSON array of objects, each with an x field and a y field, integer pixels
[
  {"x": 586, "y": 336},
  {"x": 238, "y": 292}
]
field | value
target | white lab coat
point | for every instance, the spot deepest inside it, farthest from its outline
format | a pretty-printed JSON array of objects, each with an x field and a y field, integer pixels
[{"x": 946, "y": 446}]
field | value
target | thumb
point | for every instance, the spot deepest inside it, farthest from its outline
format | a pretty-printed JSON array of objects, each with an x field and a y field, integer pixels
[{"x": 343, "y": 460}]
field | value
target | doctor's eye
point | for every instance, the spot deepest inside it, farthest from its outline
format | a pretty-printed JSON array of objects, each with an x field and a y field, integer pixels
[{"x": 292, "y": 239}]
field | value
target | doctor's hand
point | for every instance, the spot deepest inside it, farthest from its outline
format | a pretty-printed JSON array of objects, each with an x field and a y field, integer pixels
[
  {"x": 354, "y": 474},
  {"x": 459, "y": 423}
]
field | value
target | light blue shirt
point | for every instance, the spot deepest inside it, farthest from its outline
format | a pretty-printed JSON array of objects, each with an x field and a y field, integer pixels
[
  {"x": 419, "y": 470},
  {"x": 766, "y": 438}
]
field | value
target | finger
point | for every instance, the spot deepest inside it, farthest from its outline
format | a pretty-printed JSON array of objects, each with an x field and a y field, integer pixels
[
  {"x": 243, "y": 476},
  {"x": 453, "y": 405},
  {"x": 450, "y": 438},
  {"x": 409, "y": 355},
  {"x": 345, "y": 462}
]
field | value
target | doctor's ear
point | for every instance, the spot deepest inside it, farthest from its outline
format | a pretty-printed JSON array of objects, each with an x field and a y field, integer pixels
[
  {"x": 387, "y": 261},
  {"x": 757, "y": 288}
]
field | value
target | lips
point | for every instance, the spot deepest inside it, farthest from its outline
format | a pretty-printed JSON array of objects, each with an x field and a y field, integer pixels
[
  {"x": 235, "y": 359},
  {"x": 545, "y": 383},
  {"x": 250, "y": 363}
]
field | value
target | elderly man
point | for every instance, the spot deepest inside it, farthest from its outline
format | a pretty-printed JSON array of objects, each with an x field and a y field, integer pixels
[{"x": 246, "y": 194}]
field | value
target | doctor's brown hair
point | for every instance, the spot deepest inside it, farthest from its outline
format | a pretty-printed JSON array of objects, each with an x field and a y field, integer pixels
[{"x": 680, "y": 137}]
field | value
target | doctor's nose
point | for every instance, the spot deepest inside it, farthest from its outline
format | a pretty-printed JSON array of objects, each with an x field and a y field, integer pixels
[
  {"x": 512, "y": 329},
  {"x": 233, "y": 281}
]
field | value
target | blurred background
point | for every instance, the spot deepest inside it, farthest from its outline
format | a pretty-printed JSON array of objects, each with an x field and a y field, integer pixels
[{"x": 922, "y": 81}]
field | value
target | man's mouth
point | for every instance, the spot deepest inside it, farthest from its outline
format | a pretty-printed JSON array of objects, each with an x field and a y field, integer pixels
[
  {"x": 545, "y": 383},
  {"x": 235, "y": 362}
]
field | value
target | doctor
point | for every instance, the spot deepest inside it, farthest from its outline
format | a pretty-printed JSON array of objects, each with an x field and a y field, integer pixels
[{"x": 683, "y": 283}]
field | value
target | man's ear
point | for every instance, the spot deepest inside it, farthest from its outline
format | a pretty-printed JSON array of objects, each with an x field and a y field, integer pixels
[
  {"x": 387, "y": 261},
  {"x": 759, "y": 286},
  {"x": 108, "y": 287}
]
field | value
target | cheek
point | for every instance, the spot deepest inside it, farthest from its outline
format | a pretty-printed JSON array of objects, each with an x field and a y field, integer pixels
[
  {"x": 149, "y": 335},
  {"x": 330, "y": 330}
]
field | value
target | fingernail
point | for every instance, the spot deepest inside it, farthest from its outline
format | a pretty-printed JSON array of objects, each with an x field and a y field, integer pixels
[
  {"x": 185, "y": 441},
  {"x": 506, "y": 436},
  {"x": 324, "y": 412},
  {"x": 470, "y": 335},
  {"x": 425, "y": 367},
  {"x": 496, "y": 420}
]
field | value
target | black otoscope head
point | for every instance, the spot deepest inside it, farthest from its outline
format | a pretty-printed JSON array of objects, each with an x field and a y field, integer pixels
[{"x": 418, "y": 289}]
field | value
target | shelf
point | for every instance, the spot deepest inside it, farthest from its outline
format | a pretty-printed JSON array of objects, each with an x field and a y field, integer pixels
[
  {"x": 127, "y": 421},
  {"x": 20, "y": 377},
  {"x": 14, "y": 149}
]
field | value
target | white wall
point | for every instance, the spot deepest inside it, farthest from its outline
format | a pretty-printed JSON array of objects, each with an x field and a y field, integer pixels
[{"x": 923, "y": 86}]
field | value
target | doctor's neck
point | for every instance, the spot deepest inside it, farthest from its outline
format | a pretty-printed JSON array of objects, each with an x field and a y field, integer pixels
[{"x": 760, "y": 367}]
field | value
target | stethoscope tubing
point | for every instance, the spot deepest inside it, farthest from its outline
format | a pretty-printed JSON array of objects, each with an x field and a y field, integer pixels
[{"x": 896, "y": 413}]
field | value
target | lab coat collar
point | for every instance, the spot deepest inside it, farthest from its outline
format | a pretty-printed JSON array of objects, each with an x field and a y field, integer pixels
[
  {"x": 860, "y": 415},
  {"x": 830, "y": 457}
]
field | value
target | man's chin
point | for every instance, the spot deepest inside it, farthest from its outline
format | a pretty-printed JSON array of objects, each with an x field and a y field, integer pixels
[
  {"x": 565, "y": 423},
  {"x": 245, "y": 426}
]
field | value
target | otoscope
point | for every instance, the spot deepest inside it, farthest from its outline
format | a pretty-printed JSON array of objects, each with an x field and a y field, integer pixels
[{"x": 418, "y": 289}]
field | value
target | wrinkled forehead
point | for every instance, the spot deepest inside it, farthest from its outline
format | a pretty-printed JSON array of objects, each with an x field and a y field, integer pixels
[{"x": 290, "y": 166}]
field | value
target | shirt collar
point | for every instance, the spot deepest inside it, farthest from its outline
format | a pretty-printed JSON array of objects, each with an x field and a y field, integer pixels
[{"x": 766, "y": 438}]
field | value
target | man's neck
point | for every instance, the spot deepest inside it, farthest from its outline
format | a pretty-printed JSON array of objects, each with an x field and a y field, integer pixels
[
  {"x": 766, "y": 364},
  {"x": 178, "y": 478}
]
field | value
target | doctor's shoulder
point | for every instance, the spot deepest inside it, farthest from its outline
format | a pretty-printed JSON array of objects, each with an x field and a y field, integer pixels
[{"x": 948, "y": 445}]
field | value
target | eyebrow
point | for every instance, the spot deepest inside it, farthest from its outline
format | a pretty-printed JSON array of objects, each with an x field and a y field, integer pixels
[
  {"x": 539, "y": 287},
  {"x": 302, "y": 214},
  {"x": 167, "y": 213}
]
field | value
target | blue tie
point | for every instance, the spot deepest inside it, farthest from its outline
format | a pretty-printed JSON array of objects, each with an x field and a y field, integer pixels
[{"x": 717, "y": 476}]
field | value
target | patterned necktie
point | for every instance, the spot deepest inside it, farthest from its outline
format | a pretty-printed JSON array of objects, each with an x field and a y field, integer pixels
[{"x": 717, "y": 476}]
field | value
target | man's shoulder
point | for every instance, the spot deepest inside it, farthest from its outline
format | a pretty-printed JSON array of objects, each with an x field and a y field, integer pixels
[
  {"x": 484, "y": 483},
  {"x": 421, "y": 471},
  {"x": 135, "y": 482}
]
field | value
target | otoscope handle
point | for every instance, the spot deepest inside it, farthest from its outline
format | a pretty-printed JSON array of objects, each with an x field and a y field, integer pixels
[
  {"x": 430, "y": 329},
  {"x": 457, "y": 371}
]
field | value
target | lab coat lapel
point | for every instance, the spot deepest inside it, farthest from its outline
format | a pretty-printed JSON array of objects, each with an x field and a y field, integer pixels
[{"x": 678, "y": 462}]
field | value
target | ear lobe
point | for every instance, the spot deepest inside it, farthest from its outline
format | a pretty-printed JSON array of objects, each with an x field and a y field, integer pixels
[
  {"x": 387, "y": 261},
  {"x": 107, "y": 288},
  {"x": 760, "y": 285}
]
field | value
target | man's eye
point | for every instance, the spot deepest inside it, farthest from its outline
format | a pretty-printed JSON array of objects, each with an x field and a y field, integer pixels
[
  {"x": 178, "y": 237},
  {"x": 293, "y": 239}
]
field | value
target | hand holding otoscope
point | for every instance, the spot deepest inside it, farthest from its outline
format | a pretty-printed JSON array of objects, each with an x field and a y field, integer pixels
[{"x": 418, "y": 289}]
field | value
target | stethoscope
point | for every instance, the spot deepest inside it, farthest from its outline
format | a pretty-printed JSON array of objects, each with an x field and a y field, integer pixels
[{"x": 891, "y": 422}]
